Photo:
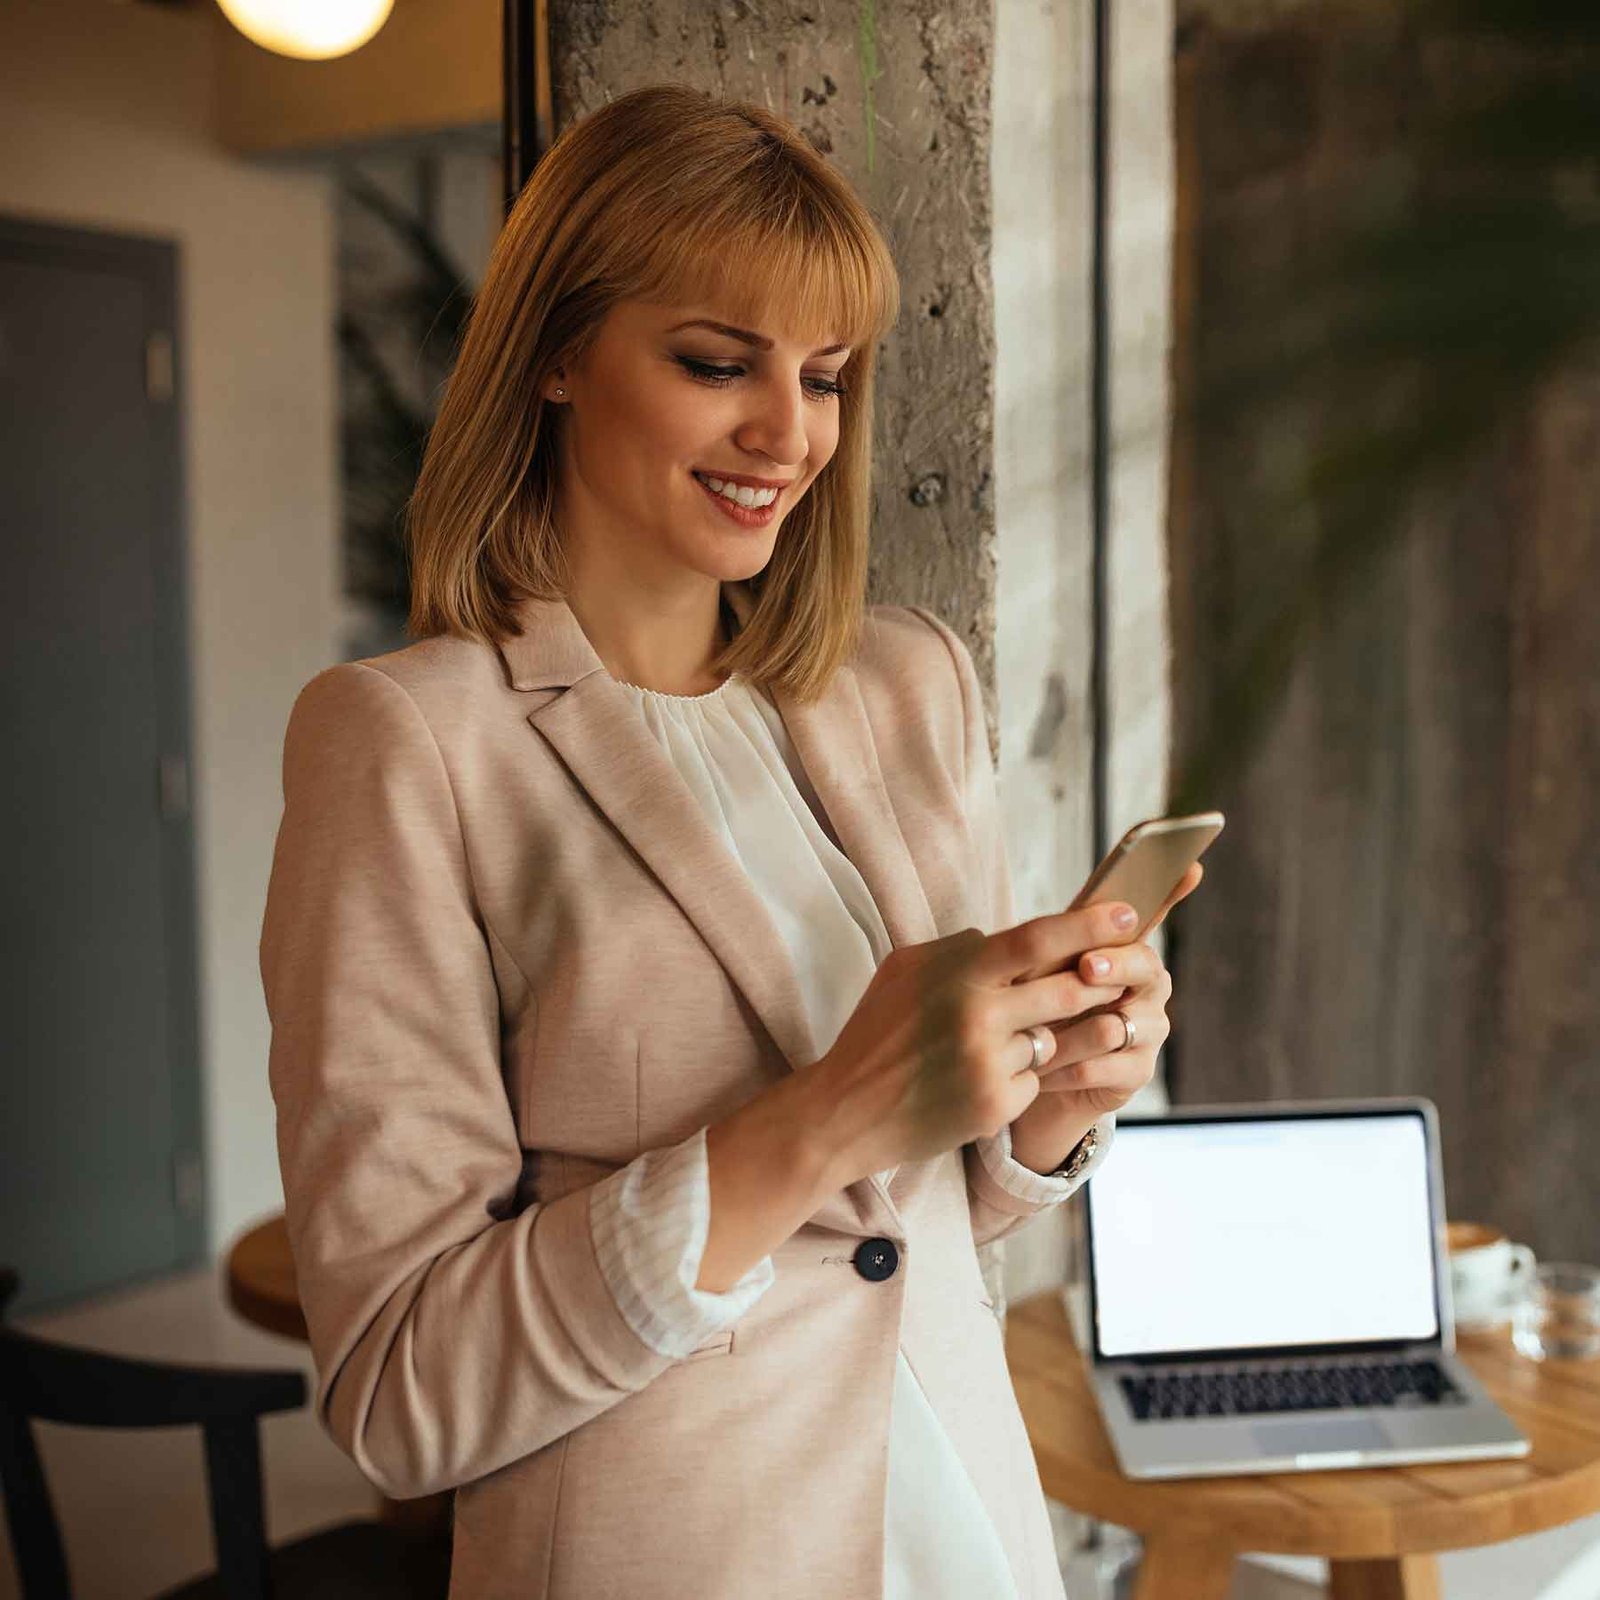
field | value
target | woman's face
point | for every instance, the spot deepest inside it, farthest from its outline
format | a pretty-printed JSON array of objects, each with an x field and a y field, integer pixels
[{"x": 661, "y": 402}]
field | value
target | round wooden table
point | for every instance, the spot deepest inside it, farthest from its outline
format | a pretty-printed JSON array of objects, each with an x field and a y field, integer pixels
[
  {"x": 261, "y": 1288},
  {"x": 261, "y": 1283},
  {"x": 1378, "y": 1526}
]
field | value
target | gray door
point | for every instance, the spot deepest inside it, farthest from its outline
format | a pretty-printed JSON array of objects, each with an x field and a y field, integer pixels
[{"x": 100, "y": 1182}]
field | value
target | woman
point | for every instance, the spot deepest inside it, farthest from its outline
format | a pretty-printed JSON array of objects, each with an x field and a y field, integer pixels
[{"x": 645, "y": 1078}]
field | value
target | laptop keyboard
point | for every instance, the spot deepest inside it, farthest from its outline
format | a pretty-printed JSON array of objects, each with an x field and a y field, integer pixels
[{"x": 1249, "y": 1391}]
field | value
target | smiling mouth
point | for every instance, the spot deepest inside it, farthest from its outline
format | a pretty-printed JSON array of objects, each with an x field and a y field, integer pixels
[
  {"x": 710, "y": 479},
  {"x": 757, "y": 516}
]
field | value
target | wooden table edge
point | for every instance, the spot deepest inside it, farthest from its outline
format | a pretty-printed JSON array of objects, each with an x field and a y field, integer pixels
[
  {"x": 1375, "y": 1531},
  {"x": 259, "y": 1273}
]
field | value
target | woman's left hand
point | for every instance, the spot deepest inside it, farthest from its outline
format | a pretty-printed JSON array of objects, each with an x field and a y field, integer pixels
[{"x": 1090, "y": 1073}]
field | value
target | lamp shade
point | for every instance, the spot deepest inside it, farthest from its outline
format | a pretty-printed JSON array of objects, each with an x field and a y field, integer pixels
[{"x": 309, "y": 30}]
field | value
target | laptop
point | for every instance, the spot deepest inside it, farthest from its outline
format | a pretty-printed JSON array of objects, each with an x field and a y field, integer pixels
[{"x": 1269, "y": 1291}]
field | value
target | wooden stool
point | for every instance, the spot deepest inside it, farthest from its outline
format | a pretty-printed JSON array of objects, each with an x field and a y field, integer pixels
[
  {"x": 261, "y": 1288},
  {"x": 1378, "y": 1526}
]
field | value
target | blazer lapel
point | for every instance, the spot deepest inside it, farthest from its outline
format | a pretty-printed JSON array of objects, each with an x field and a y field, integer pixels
[
  {"x": 834, "y": 741},
  {"x": 600, "y": 736},
  {"x": 597, "y": 732}
]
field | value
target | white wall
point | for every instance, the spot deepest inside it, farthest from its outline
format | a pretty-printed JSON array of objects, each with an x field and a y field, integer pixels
[
  {"x": 1042, "y": 174},
  {"x": 104, "y": 113}
]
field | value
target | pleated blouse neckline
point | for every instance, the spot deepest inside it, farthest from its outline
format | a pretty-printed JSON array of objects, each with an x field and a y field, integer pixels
[{"x": 686, "y": 699}]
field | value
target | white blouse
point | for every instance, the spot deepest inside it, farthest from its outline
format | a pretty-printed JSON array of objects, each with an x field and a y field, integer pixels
[{"x": 651, "y": 1219}]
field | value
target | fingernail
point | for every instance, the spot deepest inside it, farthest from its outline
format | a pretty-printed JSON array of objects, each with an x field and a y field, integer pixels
[
  {"x": 1124, "y": 916},
  {"x": 1099, "y": 966}
]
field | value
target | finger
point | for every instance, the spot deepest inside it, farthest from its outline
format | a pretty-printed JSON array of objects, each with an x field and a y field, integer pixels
[
  {"x": 1090, "y": 1038},
  {"x": 1056, "y": 998},
  {"x": 1094, "y": 1102},
  {"x": 1119, "y": 1077},
  {"x": 1129, "y": 966},
  {"x": 1022, "y": 1059},
  {"x": 1186, "y": 887},
  {"x": 1067, "y": 1050},
  {"x": 1102, "y": 1033},
  {"x": 1095, "y": 1036},
  {"x": 1047, "y": 944},
  {"x": 1021, "y": 1092},
  {"x": 1101, "y": 1096}
]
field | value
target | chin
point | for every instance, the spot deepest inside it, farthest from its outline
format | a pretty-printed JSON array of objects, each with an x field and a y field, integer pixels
[
  {"x": 749, "y": 566},
  {"x": 737, "y": 561}
]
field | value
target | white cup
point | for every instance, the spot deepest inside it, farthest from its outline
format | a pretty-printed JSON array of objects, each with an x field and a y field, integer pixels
[{"x": 1489, "y": 1274}]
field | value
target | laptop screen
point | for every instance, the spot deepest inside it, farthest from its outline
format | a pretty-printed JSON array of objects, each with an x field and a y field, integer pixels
[{"x": 1239, "y": 1235}]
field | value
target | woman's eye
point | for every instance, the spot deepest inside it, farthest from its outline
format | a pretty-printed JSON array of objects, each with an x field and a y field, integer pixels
[
  {"x": 821, "y": 388},
  {"x": 708, "y": 373}
]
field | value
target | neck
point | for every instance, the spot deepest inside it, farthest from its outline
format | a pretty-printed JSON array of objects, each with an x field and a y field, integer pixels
[{"x": 661, "y": 638}]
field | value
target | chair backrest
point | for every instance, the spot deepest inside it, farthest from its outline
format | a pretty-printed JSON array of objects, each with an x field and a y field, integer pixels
[{"x": 52, "y": 1382}]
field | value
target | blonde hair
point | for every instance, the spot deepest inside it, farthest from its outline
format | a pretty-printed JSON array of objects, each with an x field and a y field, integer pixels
[{"x": 668, "y": 196}]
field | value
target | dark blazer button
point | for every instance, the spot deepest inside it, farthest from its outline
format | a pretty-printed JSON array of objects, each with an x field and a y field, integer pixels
[{"x": 876, "y": 1259}]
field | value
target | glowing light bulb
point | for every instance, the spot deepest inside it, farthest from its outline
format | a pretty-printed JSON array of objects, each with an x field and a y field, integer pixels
[{"x": 309, "y": 30}]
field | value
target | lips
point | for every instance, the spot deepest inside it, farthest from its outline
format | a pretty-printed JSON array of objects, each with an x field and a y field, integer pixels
[
  {"x": 745, "y": 516},
  {"x": 774, "y": 489},
  {"x": 741, "y": 480}
]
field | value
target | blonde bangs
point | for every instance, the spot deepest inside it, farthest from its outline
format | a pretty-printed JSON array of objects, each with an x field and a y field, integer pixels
[{"x": 810, "y": 280}]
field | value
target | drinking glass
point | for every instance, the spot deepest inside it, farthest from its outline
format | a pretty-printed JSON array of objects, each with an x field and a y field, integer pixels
[{"x": 1559, "y": 1317}]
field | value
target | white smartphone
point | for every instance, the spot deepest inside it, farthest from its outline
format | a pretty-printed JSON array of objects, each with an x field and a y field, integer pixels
[{"x": 1148, "y": 863}]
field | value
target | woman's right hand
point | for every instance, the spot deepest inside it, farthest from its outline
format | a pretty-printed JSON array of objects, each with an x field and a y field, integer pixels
[{"x": 935, "y": 1052}]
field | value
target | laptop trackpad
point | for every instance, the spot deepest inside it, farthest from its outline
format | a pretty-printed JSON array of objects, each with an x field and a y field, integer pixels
[{"x": 1296, "y": 1438}]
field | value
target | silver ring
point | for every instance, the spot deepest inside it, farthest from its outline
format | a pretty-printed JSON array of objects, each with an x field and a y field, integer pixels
[
  {"x": 1043, "y": 1041},
  {"x": 1130, "y": 1033}
]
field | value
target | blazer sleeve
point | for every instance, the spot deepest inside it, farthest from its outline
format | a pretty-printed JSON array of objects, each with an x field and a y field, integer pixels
[
  {"x": 1001, "y": 1193},
  {"x": 452, "y": 1334},
  {"x": 651, "y": 1223}
]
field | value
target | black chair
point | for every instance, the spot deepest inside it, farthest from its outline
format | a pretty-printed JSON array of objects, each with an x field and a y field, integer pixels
[{"x": 88, "y": 1388}]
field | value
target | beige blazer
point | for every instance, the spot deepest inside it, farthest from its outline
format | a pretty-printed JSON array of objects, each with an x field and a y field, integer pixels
[{"x": 503, "y": 953}]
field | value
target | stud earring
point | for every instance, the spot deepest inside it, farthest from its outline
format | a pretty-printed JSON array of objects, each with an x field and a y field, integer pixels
[{"x": 561, "y": 391}]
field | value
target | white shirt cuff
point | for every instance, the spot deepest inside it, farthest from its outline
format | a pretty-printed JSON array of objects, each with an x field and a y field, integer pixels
[
  {"x": 1037, "y": 1188},
  {"x": 650, "y": 1221}
]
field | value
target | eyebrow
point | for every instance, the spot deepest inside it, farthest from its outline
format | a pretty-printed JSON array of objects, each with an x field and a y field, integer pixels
[{"x": 744, "y": 335}]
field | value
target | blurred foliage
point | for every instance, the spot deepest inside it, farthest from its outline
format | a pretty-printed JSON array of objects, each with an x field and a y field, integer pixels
[
  {"x": 385, "y": 423},
  {"x": 1461, "y": 276}
]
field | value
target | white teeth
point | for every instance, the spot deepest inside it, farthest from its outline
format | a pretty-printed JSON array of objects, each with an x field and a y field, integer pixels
[{"x": 739, "y": 493}]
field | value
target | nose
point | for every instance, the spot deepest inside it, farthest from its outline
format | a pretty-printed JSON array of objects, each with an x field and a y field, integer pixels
[{"x": 776, "y": 425}]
